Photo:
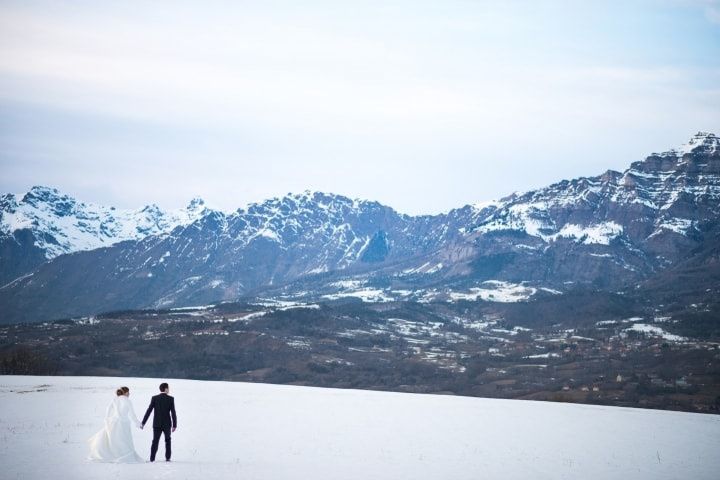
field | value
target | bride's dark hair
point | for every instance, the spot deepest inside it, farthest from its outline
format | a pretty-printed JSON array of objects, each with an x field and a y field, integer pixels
[{"x": 122, "y": 391}]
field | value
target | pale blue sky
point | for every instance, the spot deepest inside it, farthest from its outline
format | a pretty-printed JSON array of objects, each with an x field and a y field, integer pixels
[{"x": 423, "y": 106}]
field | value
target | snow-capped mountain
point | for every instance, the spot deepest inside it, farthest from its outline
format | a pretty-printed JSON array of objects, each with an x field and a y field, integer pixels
[
  {"x": 669, "y": 188},
  {"x": 609, "y": 231},
  {"x": 44, "y": 223},
  {"x": 228, "y": 255},
  {"x": 627, "y": 224}
]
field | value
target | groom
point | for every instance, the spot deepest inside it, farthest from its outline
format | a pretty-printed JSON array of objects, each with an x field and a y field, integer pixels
[{"x": 164, "y": 406}]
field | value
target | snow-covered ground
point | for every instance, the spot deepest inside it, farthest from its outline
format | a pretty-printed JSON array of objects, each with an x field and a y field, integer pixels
[
  {"x": 256, "y": 431},
  {"x": 496, "y": 291},
  {"x": 654, "y": 331}
]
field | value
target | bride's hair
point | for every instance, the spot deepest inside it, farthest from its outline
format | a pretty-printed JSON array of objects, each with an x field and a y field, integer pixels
[{"x": 122, "y": 391}]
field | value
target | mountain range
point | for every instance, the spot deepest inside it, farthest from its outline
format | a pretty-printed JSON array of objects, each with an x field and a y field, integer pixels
[
  {"x": 620, "y": 232},
  {"x": 44, "y": 223}
]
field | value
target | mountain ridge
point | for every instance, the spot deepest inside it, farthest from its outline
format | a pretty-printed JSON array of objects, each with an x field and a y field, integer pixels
[
  {"x": 607, "y": 231},
  {"x": 44, "y": 223}
]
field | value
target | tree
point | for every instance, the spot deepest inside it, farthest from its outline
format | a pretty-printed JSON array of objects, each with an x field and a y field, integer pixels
[{"x": 24, "y": 361}]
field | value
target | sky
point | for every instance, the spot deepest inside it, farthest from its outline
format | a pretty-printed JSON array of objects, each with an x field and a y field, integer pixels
[{"x": 423, "y": 106}]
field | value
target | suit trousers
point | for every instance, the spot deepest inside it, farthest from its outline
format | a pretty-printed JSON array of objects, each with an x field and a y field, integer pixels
[{"x": 156, "y": 440}]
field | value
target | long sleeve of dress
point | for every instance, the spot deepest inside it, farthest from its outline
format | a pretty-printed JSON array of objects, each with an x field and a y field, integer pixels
[
  {"x": 110, "y": 414},
  {"x": 132, "y": 415}
]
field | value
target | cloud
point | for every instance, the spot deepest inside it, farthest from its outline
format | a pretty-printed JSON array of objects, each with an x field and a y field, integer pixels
[
  {"x": 712, "y": 13},
  {"x": 711, "y": 8},
  {"x": 343, "y": 99}
]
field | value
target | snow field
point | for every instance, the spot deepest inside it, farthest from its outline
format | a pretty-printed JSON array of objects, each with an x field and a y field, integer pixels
[{"x": 257, "y": 431}]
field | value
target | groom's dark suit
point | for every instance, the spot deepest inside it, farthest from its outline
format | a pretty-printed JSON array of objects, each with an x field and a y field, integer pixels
[{"x": 164, "y": 406}]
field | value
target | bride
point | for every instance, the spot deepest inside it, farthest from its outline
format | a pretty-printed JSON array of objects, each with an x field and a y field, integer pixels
[{"x": 114, "y": 443}]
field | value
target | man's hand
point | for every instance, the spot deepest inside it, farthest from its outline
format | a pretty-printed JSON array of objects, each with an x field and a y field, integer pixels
[{"x": 173, "y": 429}]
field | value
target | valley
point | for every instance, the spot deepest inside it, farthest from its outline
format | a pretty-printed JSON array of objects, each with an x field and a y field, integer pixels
[{"x": 463, "y": 348}]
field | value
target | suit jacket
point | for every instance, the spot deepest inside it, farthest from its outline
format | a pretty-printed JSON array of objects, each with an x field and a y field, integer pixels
[{"x": 164, "y": 406}]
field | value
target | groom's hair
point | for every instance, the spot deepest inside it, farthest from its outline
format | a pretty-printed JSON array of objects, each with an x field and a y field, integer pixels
[{"x": 164, "y": 386}]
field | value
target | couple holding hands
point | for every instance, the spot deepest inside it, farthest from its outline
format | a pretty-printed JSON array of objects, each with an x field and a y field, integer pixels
[{"x": 114, "y": 442}]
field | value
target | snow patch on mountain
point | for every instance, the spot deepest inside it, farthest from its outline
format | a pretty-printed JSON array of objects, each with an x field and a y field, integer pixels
[
  {"x": 495, "y": 291},
  {"x": 600, "y": 234},
  {"x": 654, "y": 331},
  {"x": 427, "y": 268},
  {"x": 534, "y": 220},
  {"x": 367, "y": 294},
  {"x": 677, "y": 225}
]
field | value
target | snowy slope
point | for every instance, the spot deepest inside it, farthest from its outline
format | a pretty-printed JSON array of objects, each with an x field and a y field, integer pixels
[
  {"x": 256, "y": 431},
  {"x": 62, "y": 224}
]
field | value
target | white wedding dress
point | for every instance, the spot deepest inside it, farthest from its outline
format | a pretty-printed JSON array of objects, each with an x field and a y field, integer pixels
[{"x": 114, "y": 443}]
